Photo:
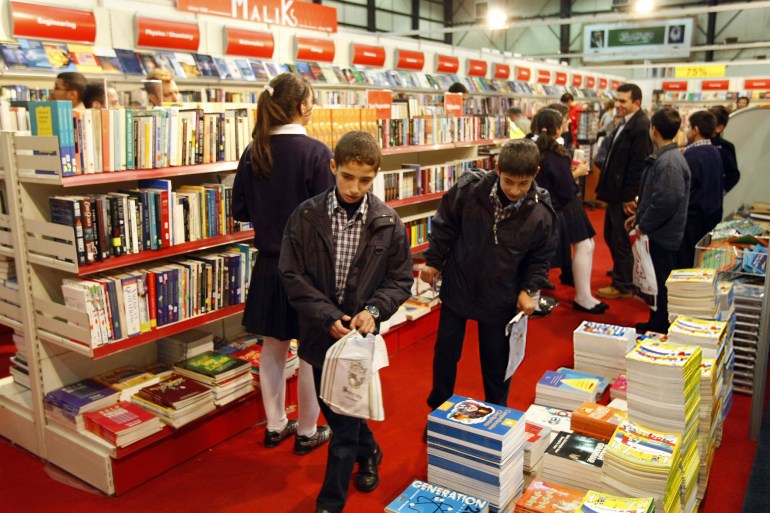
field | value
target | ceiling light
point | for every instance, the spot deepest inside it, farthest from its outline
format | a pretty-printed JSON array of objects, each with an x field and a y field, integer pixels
[
  {"x": 496, "y": 19},
  {"x": 644, "y": 6}
]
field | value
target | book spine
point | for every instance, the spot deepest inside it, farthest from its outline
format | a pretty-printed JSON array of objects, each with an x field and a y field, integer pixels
[
  {"x": 130, "y": 140},
  {"x": 66, "y": 211},
  {"x": 89, "y": 235}
]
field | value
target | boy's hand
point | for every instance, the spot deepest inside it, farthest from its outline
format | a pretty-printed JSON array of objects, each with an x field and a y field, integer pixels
[
  {"x": 338, "y": 330},
  {"x": 363, "y": 322},
  {"x": 428, "y": 274},
  {"x": 629, "y": 207},
  {"x": 526, "y": 303}
]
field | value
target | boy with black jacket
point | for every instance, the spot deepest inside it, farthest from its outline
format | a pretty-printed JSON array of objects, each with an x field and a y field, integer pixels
[
  {"x": 492, "y": 240},
  {"x": 345, "y": 264}
]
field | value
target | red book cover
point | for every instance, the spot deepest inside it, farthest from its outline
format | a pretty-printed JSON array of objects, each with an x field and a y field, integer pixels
[
  {"x": 251, "y": 354},
  {"x": 152, "y": 303},
  {"x": 115, "y": 419},
  {"x": 172, "y": 391}
]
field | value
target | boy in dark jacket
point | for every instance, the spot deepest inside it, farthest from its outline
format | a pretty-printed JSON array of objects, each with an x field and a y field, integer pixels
[
  {"x": 492, "y": 240},
  {"x": 346, "y": 264},
  {"x": 661, "y": 213}
]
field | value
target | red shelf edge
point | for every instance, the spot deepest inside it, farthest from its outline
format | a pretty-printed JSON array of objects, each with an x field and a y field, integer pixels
[
  {"x": 157, "y": 254},
  {"x": 140, "y": 174},
  {"x": 420, "y": 247},
  {"x": 392, "y": 150},
  {"x": 415, "y": 199}
]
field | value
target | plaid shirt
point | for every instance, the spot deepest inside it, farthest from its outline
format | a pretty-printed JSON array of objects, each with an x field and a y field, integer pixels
[
  {"x": 702, "y": 142},
  {"x": 500, "y": 211},
  {"x": 346, "y": 235}
]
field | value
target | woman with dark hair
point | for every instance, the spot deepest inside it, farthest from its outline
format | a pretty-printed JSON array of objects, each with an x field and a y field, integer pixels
[{"x": 281, "y": 168}]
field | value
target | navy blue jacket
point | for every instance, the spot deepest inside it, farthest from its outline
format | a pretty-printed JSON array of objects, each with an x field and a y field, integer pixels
[
  {"x": 555, "y": 176},
  {"x": 707, "y": 181}
]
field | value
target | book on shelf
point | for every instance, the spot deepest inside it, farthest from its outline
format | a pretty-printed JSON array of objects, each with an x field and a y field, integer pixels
[
  {"x": 128, "y": 380},
  {"x": 175, "y": 392},
  {"x": 82, "y": 396},
  {"x": 84, "y": 58},
  {"x": 422, "y": 496},
  {"x": 122, "y": 424},
  {"x": 212, "y": 367},
  {"x": 54, "y": 118}
]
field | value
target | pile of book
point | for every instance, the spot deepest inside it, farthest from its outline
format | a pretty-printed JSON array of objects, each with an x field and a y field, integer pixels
[
  {"x": 692, "y": 292},
  {"x": 728, "y": 313},
  {"x": 664, "y": 394},
  {"x": 477, "y": 448},
  {"x": 545, "y": 497},
  {"x": 574, "y": 460},
  {"x": 596, "y": 502},
  {"x": 644, "y": 463},
  {"x": 182, "y": 346},
  {"x": 536, "y": 439},
  {"x": 122, "y": 424},
  {"x": 619, "y": 387},
  {"x": 710, "y": 418},
  {"x": 176, "y": 400},
  {"x": 600, "y": 348},
  {"x": 19, "y": 367},
  {"x": 229, "y": 378},
  {"x": 422, "y": 496},
  {"x": 555, "y": 419},
  {"x": 568, "y": 388},
  {"x": 690, "y": 331},
  {"x": 128, "y": 380},
  {"x": 65, "y": 406},
  {"x": 253, "y": 353},
  {"x": 596, "y": 420}
]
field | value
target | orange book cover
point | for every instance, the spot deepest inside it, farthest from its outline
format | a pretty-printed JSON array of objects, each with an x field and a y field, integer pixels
[{"x": 545, "y": 497}]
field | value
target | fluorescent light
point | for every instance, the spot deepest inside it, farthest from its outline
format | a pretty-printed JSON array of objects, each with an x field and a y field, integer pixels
[
  {"x": 496, "y": 19},
  {"x": 644, "y": 6}
]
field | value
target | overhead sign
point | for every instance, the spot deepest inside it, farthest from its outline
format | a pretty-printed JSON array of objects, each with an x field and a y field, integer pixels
[
  {"x": 577, "y": 80},
  {"x": 409, "y": 59},
  {"x": 615, "y": 85},
  {"x": 561, "y": 78},
  {"x": 700, "y": 71},
  {"x": 756, "y": 83},
  {"x": 501, "y": 71},
  {"x": 311, "y": 49},
  {"x": 477, "y": 68},
  {"x": 715, "y": 85},
  {"x": 249, "y": 43},
  {"x": 543, "y": 76},
  {"x": 637, "y": 40},
  {"x": 523, "y": 74},
  {"x": 288, "y": 13},
  {"x": 49, "y": 22},
  {"x": 675, "y": 85},
  {"x": 447, "y": 63},
  {"x": 167, "y": 34},
  {"x": 602, "y": 83},
  {"x": 590, "y": 82},
  {"x": 365, "y": 55}
]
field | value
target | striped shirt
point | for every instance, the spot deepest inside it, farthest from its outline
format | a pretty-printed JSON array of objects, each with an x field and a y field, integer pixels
[{"x": 346, "y": 235}]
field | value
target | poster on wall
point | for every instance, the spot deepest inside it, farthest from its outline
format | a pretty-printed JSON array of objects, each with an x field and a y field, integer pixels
[{"x": 637, "y": 40}]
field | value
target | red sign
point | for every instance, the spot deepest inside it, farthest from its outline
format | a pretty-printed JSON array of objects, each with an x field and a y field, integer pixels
[
  {"x": 715, "y": 85},
  {"x": 561, "y": 78},
  {"x": 447, "y": 64},
  {"x": 311, "y": 49},
  {"x": 543, "y": 76},
  {"x": 672, "y": 85},
  {"x": 453, "y": 104},
  {"x": 602, "y": 83},
  {"x": 369, "y": 56},
  {"x": 501, "y": 71},
  {"x": 756, "y": 83},
  {"x": 523, "y": 74},
  {"x": 615, "y": 85},
  {"x": 577, "y": 80},
  {"x": 407, "y": 59},
  {"x": 248, "y": 43},
  {"x": 166, "y": 34},
  {"x": 477, "y": 68},
  {"x": 49, "y": 22},
  {"x": 382, "y": 101},
  {"x": 306, "y": 15},
  {"x": 590, "y": 82}
]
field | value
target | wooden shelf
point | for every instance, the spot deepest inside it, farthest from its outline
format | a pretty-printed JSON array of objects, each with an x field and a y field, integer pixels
[
  {"x": 422, "y": 198},
  {"x": 176, "y": 250},
  {"x": 141, "y": 174}
]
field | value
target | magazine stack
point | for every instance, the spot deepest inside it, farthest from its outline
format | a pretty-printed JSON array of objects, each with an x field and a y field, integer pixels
[
  {"x": 536, "y": 439},
  {"x": 229, "y": 378},
  {"x": 601, "y": 348},
  {"x": 693, "y": 292},
  {"x": 619, "y": 387},
  {"x": 690, "y": 331},
  {"x": 477, "y": 448},
  {"x": 177, "y": 400},
  {"x": 575, "y": 461},
  {"x": 597, "y": 502},
  {"x": 664, "y": 395},
  {"x": 422, "y": 496},
  {"x": 568, "y": 389},
  {"x": 544, "y": 497},
  {"x": 184, "y": 345},
  {"x": 596, "y": 420},
  {"x": 710, "y": 418},
  {"x": 644, "y": 463}
]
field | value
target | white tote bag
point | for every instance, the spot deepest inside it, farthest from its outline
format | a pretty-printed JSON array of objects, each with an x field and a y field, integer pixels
[
  {"x": 350, "y": 380},
  {"x": 645, "y": 284}
]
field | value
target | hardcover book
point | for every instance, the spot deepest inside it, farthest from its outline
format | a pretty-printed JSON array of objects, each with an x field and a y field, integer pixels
[
  {"x": 213, "y": 364},
  {"x": 85, "y": 395},
  {"x": 174, "y": 392}
]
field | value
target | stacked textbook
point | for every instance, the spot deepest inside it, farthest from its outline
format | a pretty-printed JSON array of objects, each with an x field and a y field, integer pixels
[
  {"x": 692, "y": 292},
  {"x": 575, "y": 461},
  {"x": 596, "y": 420},
  {"x": 184, "y": 345},
  {"x": 568, "y": 388},
  {"x": 176, "y": 400},
  {"x": 691, "y": 331},
  {"x": 65, "y": 406},
  {"x": 644, "y": 463},
  {"x": 477, "y": 448},
  {"x": 544, "y": 497},
  {"x": 122, "y": 424},
  {"x": 710, "y": 418},
  {"x": 557, "y": 419},
  {"x": 229, "y": 378},
  {"x": 601, "y": 348},
  {"x": 422, "y": 496},
  {"x": 597, "y": 502},
  {"x": 536, "y": 439}
]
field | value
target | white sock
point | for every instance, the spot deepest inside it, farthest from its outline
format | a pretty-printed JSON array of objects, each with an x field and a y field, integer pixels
[
  {"x": 272, "y": 380},
  {"x": 582, "y": 262},
  {"x": 307, "y": 400}
]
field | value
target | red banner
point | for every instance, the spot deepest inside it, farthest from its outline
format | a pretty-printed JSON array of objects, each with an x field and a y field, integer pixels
[
  {"x": 453, "y": 104},
  {"x": 305, "y": 15},
  {"x": 715, "y": 85},
  {"x": 476, "y": 68},
  {"x": 369, "y": 56},
  {"x": 248, "y": 43},
  {"x": 602, "y": 83},
  {"x": 501, "y": 71},
  {"x": 311, "y": 49},
  {"x": 590, "y": 82},
  {"x": 447, "y": 64},
  {"x": 670, "y": 85},
  {"x": 561, "y": 78},
  {"x": 408, "y": 59},
  {"x": 577, "y": 80},
  {"x": 615, "y": 85},
  {"x": 382, "y": 101},
  {"x": 523, "y": 74},
  {"x": 756, "y": 83},
  {"x": 166, "y": 34},
  {"x": 543, "y": 76},
  {"x": 49, "y": 22}
]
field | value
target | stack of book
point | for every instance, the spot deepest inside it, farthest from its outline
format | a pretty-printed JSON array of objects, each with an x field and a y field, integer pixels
[
  {"x": 710, "y": 418},
  {"x": 229, "y": 378},
  {"x": 536, "y": 439},
  {"x": 619, "y": 387},
  {"x": 664, "y": 394},
  {"x": 477, "y": 448},
  {"x": 596, "y": 420},
  {"x": 177, "y": 400},
  {"x": 553, "y": 418},
  {"x": 692, "y": 292},
  {"x": 644, "y": 463},
  {"x": 544, "y": 497},
  {"x": 597, "y": 502},
  {"x": 184, "y": 345},
  {"x": 422, "y": 496},
  {"x": 65, "y": 406},
  {"x": 128, "y": 380},
  {"x": 253, "y": 353},
  {"x": 574, "y": 460},
  {"x": 690, "y": 331},
  {"x": 728, "y": 313},
  {"x": 122, "y": 424},
  {"x": 568, "y": 389},
  {"x": 600, "y": 348}
]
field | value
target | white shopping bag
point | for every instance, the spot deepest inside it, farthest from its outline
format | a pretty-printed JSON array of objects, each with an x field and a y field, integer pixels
[
  {"x": 350, "y": 380},
  {"x": 516, "y": 330},
  {"x": 645, "y": 284}
]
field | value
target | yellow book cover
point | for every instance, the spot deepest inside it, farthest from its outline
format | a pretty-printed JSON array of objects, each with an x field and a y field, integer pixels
[
  {"x": 587, "y": 385},
  {"x": 597, "y": 502},
  {"x": 44, "y": 120}
]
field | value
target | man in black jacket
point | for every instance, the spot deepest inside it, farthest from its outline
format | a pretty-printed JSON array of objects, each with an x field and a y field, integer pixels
[
  {"x": 619, "y": 185},
  {"x": 726, "y": 149}
]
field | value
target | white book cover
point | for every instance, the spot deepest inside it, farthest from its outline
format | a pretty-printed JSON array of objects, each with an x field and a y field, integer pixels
[{"x": 130, "y": 294}]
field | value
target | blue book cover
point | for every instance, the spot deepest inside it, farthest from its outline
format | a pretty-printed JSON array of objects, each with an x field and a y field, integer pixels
[
  {"x": 244, "y": 66},
  {"x": 129, "y": 62},
  {"x": 573, "y": 374},
  {"x": 55, "y": 118},
  {"x": 491, "y": 478},
  {"x": 449, "y": 444},
  {"x": 422, "y": 497},
  {"x": 79, "y": 395},
  {"x": 221, "y": 66},
  {"x": 475, "y": 421},
  {"x": 34, "y": 54}
]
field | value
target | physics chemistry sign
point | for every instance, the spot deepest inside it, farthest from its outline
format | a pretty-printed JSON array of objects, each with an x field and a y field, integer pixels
[
  {"x": 288, "y": 13},
  {"x": 50, "y": 22}
]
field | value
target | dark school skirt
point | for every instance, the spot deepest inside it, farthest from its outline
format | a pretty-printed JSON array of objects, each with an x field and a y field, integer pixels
[
  {"x": 574, "y": 222},
  {"x": 268, "y": 311}
]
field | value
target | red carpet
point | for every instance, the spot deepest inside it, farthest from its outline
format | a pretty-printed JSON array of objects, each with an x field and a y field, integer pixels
[{"x": 240, "y": 475}]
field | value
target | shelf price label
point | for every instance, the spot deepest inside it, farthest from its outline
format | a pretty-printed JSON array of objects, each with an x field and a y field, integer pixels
[{"x": 700, "y": 71}]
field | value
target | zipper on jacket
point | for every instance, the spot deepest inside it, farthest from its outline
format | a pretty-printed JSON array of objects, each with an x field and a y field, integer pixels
[{"x": 494, "y": 231}]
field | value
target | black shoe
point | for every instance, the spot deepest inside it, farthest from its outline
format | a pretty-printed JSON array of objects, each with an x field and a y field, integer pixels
[
  {"x": 273, "y": 438},
  {"x": 368, "y": 477},
  {"x": 548, "y": 285},
  {"x": 321, "y": 510},
  {"x": 598, "y": 308},
  {"x": 306, "y": 444}
]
